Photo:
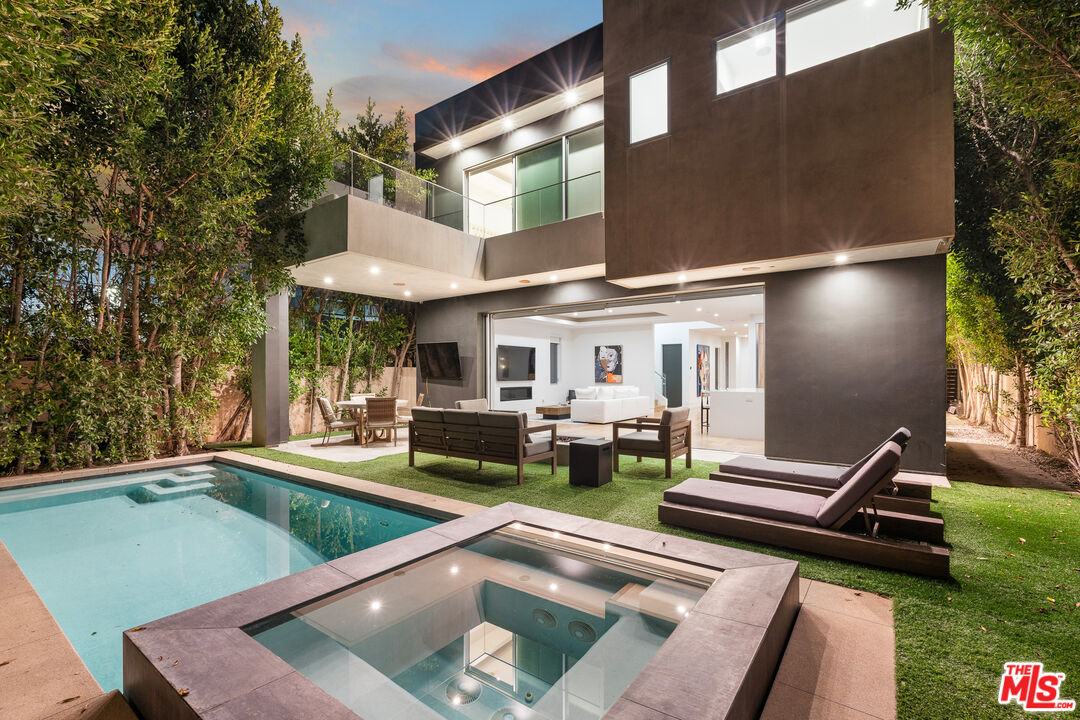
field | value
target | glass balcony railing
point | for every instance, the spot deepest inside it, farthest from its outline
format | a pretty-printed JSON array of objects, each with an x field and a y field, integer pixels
[
  {"x": 540, "y": 206},
  {"x": 366, "y": 177},
  {"x": 363, "y": 176}
]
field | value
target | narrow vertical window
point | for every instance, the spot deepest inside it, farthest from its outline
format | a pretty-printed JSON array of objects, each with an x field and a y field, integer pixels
[
  {"x": 649, "y": 103},
  {"x": 746, "y": 57}
]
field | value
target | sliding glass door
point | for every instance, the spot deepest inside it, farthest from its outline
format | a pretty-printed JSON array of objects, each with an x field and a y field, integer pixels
[{"x": 539, "y": 186}]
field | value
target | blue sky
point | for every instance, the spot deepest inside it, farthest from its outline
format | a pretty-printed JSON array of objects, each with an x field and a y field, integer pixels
[{"x": 417, "y": 52}]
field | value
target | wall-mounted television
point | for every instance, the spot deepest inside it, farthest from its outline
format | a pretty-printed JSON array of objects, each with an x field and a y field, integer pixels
[
  {"x": 515, "y": 362},
  {"x": 438, "y": 361}
]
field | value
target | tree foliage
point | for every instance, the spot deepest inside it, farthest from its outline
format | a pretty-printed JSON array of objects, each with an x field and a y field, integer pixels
[
  {"x": 1018, "y": 92},
  {"x": 183, "y": 141}
]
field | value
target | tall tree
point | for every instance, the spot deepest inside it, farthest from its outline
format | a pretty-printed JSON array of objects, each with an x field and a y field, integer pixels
[{"x": 190, "y": 142}]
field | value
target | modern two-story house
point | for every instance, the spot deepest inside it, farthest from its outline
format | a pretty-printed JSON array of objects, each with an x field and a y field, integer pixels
[{"x": 749, "y": 201}]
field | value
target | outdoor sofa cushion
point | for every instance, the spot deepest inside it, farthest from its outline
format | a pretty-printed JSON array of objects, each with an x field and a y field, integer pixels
[
  {"x": 869, "y": 480},
  {"x": 475, "y": 405},
  {"x": 432, "y": 415},
  {"x": 821, "y": 475},
  {"x": 537, "y": 447},
  {"x": 767, "y": 503},
  {"x": 460, "y": 417},
  {"x": 648, "y": 440}
]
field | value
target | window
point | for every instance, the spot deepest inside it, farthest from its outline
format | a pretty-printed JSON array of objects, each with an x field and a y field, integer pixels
[
  {"x": 746, "y": 57},
  {"x": 824, "y": 30},
  {"x": 584, "y": 165},
  {"x": 649, "y": 103}
]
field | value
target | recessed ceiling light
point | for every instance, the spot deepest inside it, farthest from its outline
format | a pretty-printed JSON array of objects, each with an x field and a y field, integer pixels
[
  {"x": 678, "y": 301},
  {"x": 575, "y": 314},
  {"x": 751, "y": 268},
  {"x": 516, "y": 526},
  {"x": 698, "y": 309},
  {"x": 408, "y": 293},
  {"x": 607, "y": 547},
  {"x": 453, "y": 569},
  {"x": 453, "y": 286},
  {"x": 841, "y": 258},
  {"x": 723, "y": 329},
  {"x": 375, "y": 604},
  {"x": 524, "y": 282},
  {"x": 682, "y": 277},
  {"x": 455, "y": 144},
  {"x": 610, "y": 310},
  {"x": 553, "y": 277},
  {"x": 508, "y": 123},
  {"x": 553, "y": 587},
  {"x": 746, "y": 325},
  {"x": 716, "y": 314},
  {"x": 571, "y": 97},
  {"x": 328, "y": 280},
  {"x": 374, "y": 270},
  {"x": 556, "y": 535}
]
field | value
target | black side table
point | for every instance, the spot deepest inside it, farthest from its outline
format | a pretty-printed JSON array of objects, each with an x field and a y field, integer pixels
[{"x": 590, "y": 462}]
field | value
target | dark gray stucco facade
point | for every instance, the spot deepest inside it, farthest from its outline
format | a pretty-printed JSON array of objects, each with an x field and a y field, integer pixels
[{"x": 852, "y": 352}]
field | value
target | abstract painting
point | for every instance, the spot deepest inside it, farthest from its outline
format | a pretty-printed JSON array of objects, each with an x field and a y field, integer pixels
[
  {"x": 607, "y": 363},
  {"x": 702, "y": 369}
]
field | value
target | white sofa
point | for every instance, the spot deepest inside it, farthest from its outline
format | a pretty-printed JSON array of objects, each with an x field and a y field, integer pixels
[{"x": 609, "y": 403}]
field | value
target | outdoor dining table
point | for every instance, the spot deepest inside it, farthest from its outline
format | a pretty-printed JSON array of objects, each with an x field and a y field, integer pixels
[{"x": 358, "y": 409}]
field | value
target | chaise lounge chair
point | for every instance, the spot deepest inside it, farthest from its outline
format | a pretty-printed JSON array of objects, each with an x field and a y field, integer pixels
[
  {"x": 904, "y": 517},
  {"x": 821, "y": 475},
  {"x": 804, "y": 521}
]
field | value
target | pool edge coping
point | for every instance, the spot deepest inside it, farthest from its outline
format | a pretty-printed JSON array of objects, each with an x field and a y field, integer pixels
[{"x": 207, "y": 666}]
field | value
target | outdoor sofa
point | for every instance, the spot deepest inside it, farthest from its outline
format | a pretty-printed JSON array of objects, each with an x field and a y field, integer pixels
[
  {"x": 484, "y": 436},
  {"x": 804, "y": 521}
]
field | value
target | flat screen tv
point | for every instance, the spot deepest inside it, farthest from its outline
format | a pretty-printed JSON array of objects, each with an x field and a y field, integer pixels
[
  {"x": 513, "y": 362},
  {"x": 438, "y": 361}
]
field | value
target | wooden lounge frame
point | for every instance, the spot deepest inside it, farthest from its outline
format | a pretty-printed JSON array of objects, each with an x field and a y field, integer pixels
[
  {"x": 501, "y": 445},
  {"x": 675, "y": 440}
]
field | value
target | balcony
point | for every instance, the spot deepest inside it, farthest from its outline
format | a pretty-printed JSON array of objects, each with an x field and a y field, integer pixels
[{"x": 383, "y": 231}]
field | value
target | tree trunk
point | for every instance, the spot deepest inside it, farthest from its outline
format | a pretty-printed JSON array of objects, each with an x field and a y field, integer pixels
[
  {"x": 1021, "y": 434},
  {"x": 350, "y": 335},
  {"x": 318, "y": 362},
  {"x": 399, "y": 359},
  {"x": 176, "y": 376}
]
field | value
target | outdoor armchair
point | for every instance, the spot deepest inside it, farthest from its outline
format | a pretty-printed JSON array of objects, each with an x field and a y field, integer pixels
[{"x": 666, "y": 437}]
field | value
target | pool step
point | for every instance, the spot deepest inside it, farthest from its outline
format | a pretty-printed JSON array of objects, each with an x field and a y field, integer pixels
[
  {"x": 184, "y": 480},
  {"x": 154, "y": 492}
]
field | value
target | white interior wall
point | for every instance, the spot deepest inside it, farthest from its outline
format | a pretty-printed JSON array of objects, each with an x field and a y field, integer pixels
[
  {"x": 530, "y": 333},
  {"x": 637, "y": 350}
]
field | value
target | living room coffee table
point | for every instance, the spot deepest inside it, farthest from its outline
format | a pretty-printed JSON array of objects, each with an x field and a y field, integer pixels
[{"x": 554, "y": 412}]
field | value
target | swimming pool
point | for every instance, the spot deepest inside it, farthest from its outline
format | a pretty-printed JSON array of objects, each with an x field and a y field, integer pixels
[{"x": 109, "y": 553}]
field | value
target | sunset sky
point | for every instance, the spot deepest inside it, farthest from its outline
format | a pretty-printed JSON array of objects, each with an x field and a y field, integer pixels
[{"x": 416, "y": 52}]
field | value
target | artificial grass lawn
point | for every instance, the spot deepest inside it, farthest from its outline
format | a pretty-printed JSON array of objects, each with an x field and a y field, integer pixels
[{"x": 1008, "y": 601}]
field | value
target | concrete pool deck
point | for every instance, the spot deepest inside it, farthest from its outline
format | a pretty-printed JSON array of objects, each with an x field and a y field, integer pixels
[{"x": 839, "y": 661}]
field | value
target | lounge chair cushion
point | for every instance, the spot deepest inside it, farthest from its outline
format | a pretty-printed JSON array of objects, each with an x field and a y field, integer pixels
[
  {"x": 674, "y": 415},
  {"x": 535, "y": 448},
  {"x": 809, "y": 473},
  {"x": 648, "y": 440},
  {"x": 432, "y": 415},
  {"x": 759, "y": 502},
  {"x": 869, "y": 480},
  {"x": 828, "y": 476}
]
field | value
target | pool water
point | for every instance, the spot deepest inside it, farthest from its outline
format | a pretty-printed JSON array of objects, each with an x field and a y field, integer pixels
[
  {"x": 111, "y": 553},
  {"x": 501, "y": 628}
]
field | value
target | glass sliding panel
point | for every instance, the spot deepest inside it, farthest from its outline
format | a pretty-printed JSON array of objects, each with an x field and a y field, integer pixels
[
  {"x": 491, "y": 210},
  {"x": 584, "y": 164},
  {"x": 648, "y": 103},
  {"x": 824, "y": 30},
  {"x": 539, "y": 198},
  {"x": 746, "y": 57}
]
